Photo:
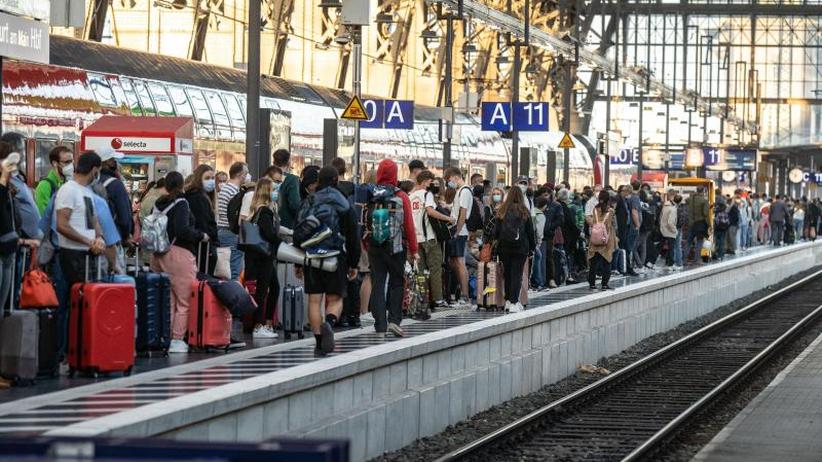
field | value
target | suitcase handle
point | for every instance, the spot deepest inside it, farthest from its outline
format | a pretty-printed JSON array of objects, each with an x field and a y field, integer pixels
[
  {"x": 99, "y": 268},
  {"x": 207, "y": 255}
]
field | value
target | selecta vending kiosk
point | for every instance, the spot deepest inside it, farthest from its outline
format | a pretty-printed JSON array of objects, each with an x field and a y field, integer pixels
[{"x": 151, "y": 146}]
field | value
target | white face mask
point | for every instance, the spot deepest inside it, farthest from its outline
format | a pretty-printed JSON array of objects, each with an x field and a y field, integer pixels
[
  {"x": 68, "y": 172},
  {"x": 523, "y": 188},
  {"x": 247, "y": 177}
]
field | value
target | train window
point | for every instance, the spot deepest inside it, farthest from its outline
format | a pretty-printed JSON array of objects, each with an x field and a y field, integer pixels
[
  {"x": 145, "y": 98},
  {"x": 41, "y": 157},
  {"x": 234, "y": 111},
  {"x": 131, "y": 97},
  {"x": 117, "y": 89},
  {"x": 241, "y": 99},
  {"x": 102, "y": 90},
  {"x": 161, "y": 99},
  {"x": 200, "y": 106},
  {"x": 180, "y": 100},
  {"x": 217, "y": 108}
]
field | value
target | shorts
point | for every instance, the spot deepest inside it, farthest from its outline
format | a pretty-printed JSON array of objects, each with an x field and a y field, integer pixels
[
  {"x": 318, "y": 281},
  {"x": 455, "y": 247}
]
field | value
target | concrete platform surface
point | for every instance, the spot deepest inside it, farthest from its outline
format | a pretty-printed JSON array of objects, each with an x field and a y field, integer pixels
[{"x": 784, "y": 422}]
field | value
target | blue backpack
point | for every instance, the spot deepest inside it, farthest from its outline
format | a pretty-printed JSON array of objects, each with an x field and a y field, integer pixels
[{"x": 322, "y": 208}]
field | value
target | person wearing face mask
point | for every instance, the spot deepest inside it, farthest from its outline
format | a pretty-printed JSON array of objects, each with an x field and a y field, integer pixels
[
  {"x": 260, "y": 268},
  {"x": 497, "y": 196},
  {"x": 273, "y": 173},
  {"x": 237, "y": 176},
  {"x": 200, "y": 197},
  {"x": 522, "y": 184},
  {"x": 110, "y": 187},
  {"x": 62, "y": 169}
]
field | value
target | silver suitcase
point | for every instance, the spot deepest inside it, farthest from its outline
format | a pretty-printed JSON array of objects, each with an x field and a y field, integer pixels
[{"x": 19, "y": 341}]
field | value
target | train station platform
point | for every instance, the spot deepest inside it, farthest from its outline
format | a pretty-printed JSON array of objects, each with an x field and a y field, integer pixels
[
  {"x": 383, "y": 393},
  {"x": 784, "y": 422}
]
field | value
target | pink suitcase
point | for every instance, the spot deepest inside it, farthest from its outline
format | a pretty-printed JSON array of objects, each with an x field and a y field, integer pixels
[{"x": 490, "y": 286}]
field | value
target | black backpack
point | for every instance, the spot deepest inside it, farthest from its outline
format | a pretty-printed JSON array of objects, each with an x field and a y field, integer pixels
[
  {"x": 474, "y": 221},
  {"x": 511, "y": 230},
  {"x": 441, "y": 229},
  {"x": 233, "y": 210}
]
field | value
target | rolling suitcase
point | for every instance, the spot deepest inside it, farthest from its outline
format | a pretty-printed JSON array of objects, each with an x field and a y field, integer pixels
[
  {"x": 19, "y": 334},
  {"x": 489, "y": 286},
  {"x": 209, "y": 322},
  {"x": 153, "y": 311},
  {"x": 47, "y": 348},
  {"x": 101, "y": 317},
  {"x": 293, "y": 311}
]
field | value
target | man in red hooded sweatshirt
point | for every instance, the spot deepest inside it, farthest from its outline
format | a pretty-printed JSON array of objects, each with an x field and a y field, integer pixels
[{"x": 391, "y": 239}]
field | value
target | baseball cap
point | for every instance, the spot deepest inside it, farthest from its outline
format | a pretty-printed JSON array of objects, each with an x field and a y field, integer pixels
[
  {"x": 107, "y": 153},
  {"x": 521, "y": 179}
]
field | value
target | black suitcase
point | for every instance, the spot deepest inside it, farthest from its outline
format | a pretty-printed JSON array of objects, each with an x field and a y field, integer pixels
[
  {"x": 153, "y": 291},
  {"x": 48, "y": 360},
  {"x": 293, "y": 311}
]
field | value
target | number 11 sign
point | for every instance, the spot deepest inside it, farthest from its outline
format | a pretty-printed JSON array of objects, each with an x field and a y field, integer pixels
[{"x": 530, "y": 117}]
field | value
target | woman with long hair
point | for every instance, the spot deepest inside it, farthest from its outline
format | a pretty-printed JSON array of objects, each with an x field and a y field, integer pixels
[
  {"x": 259, "y": 267},
  {"x": 178, "y": 262},
  {"x": 600, "y": 254},
  {"x": 515, "y": 240},
  {"x": 200, "y": 194}
]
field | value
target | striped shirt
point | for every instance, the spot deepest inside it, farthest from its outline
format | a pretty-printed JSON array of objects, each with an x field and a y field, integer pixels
[{"x": 227, "y": 192}]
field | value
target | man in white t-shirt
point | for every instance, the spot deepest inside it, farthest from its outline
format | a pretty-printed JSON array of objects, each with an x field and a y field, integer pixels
[
  {"x": 460, "y": 211},
  {"x": 79, "y": 230},
  {"x": 424, "y": 208}
]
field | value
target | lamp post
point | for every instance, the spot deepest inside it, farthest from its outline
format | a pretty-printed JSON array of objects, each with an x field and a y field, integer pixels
[{"x": 252, "y": 127}]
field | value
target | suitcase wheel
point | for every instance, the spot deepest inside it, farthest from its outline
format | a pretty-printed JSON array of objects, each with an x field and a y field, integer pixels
[
  {"x": 127, "y": 372},
  {"x": 300, "y": 335}
]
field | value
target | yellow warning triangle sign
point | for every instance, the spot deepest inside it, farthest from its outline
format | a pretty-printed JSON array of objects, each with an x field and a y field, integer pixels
[
  {"x": 355, "y": 110},
  {"x": 566, "y": 143}
]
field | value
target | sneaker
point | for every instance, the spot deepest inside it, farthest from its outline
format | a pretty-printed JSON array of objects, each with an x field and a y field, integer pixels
[
  {"x": 354, "y": 321},
  {"x": 508, "y": 306},
  {"x": 396, "y": 330},
  {"x": 235, "y": 343},
  {"x": 516, "y": 308},
  {"x": 592, "y": 287},
  {"x": 178, "y": 346},
  {"x": 327, "y": 338},
  {"x": 606, "y": 287},
  {"x": 422, "y": 315},
  {"x": 318, "y": 353},
  {"x": 552, "y": 284},
  {"x": 440, "y": 304},
  {"x": 320, "y": 252},
  {"x": 323, "y": 232},
  {"x": 367, "y": 317},
  {"x": 380, "y": 334},
  {"x": 264, "y": 332}
]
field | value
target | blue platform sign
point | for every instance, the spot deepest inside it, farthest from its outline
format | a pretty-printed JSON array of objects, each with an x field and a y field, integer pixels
[
  {"x": 530, "y": 117},
  {"x": 625, "y": 156},
  {"x": 399, "y": 114},
  {"x": 713, "y": 156},
  {"x": 374, "y": 111},
  {"x": 496, "y": 116}
]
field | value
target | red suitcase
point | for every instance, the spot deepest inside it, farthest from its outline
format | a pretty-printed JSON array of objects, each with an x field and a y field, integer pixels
[
  {"x": 209, "y": 322},
  {"x": 101, "y": 327}
]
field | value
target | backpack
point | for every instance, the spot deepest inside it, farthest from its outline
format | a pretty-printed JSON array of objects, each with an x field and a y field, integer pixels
[
  {"x": 384, "y": 218},
  {"x": 722, "y": 220},
  {"x": 233, "y": 210},
  {"x": 681, "y": 216},
  {"x": 441, "y": 229},
  {"x": 511, "y": 228},
  {"x": 648, "y": 219},
  {"x": 599, "y": 232},
  {"x": 320, "y": 210},
  {"x": 154, "y": 236},
  {"x": 475, "y": 219}
]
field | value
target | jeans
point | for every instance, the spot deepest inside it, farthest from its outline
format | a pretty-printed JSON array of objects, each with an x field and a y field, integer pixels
[
  {"x": 669, "y": 256},
  {"x": 538, "y": 276},
  {"x": 392, "y": 268},
  {"x": 732, "y": 241},
  {"x": 641, "y": 248},
  {"x": 719, "y": 242},
  {"x": 431, "y": 260},
  {"x": 689, "y": 244},
  {"x": 512, "y": 266},
  {"x": 548, "y": 260},
  {"x": 742, "y": 237},
  {"x": 678, "y": 248},
  {"x": 777, "y": 231},
  {"x": 598, "y": 266},
  {"x": 228, "y": 239},
  {"x": 799, "y": 228},
  {"x": 630, "y": 248}
]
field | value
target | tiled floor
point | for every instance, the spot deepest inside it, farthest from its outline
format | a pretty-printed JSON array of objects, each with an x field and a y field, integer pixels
[{"x": 35, "y": 410}]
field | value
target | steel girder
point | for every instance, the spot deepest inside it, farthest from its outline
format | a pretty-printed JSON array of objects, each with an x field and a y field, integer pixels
[
  {"x": 278, "y": 13},
  {"x": 96, "y": 20}
]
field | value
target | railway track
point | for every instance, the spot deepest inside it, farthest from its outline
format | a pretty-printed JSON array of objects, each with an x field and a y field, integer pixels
[{"x": 631, "y": 414}]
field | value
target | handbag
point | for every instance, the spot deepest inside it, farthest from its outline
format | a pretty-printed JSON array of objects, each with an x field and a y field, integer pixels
[
  {"x": 37, "y": 290},
  {"x": 251, "y": 239},
  {"x": 223, "y": 268},
  {"x": 486, "y": 253}
]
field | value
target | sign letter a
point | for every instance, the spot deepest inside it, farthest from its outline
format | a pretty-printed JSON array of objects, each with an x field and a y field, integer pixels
[
  {"x": 395, "y": 112},
  {"x": 499, "y": 114}
]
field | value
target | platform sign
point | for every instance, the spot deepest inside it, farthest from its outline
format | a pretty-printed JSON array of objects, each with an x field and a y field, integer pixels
[
  {"x": 625, "y": 156},
  {"x": 399, "y": 114},
  {"x": 530, "y": 117},
  {"x": 741, "y": 159},
  {"x": 374, "y": 111},
  {"x": 496, "y": 116},
  {"x": 355, "y": 110},
  {"x": 713, "y": 156}
]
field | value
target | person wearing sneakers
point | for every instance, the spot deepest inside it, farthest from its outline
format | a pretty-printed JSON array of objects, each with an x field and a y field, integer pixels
[
  {"x": 515, "y": 240},
  {"x": 259, "y": 267},
  {"x": 391, "y": 239},
  {"x": 338, "y": 216},
  {"x": 461, "y": 211},
  {"x": 424, "y": 209}
]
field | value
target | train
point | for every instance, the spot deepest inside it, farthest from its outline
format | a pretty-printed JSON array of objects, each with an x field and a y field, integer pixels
[{"x": 52, "y": 104}]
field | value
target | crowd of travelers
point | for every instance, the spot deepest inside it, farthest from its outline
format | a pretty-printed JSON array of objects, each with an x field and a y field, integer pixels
[{"x": 430, "y": 237}]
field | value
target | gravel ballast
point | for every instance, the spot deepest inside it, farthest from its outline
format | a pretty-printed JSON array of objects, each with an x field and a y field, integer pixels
[{"x": 429, "y": 448}]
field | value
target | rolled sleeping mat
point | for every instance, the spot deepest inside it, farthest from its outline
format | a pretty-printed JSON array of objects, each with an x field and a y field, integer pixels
[{"x": 288, "y": 253}]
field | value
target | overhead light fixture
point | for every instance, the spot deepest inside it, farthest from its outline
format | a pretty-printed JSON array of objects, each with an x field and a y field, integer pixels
[
  {"x": 469, "y": 48},
  {"x": 428, "y": 34},
  {"x": 502, "y": 59},
  {"x": 384, "y": 18},
  {"x": 330, "y": 4}
]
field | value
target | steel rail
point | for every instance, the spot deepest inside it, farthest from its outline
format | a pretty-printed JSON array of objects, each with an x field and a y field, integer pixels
[{"x": 473, "y": 448}]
